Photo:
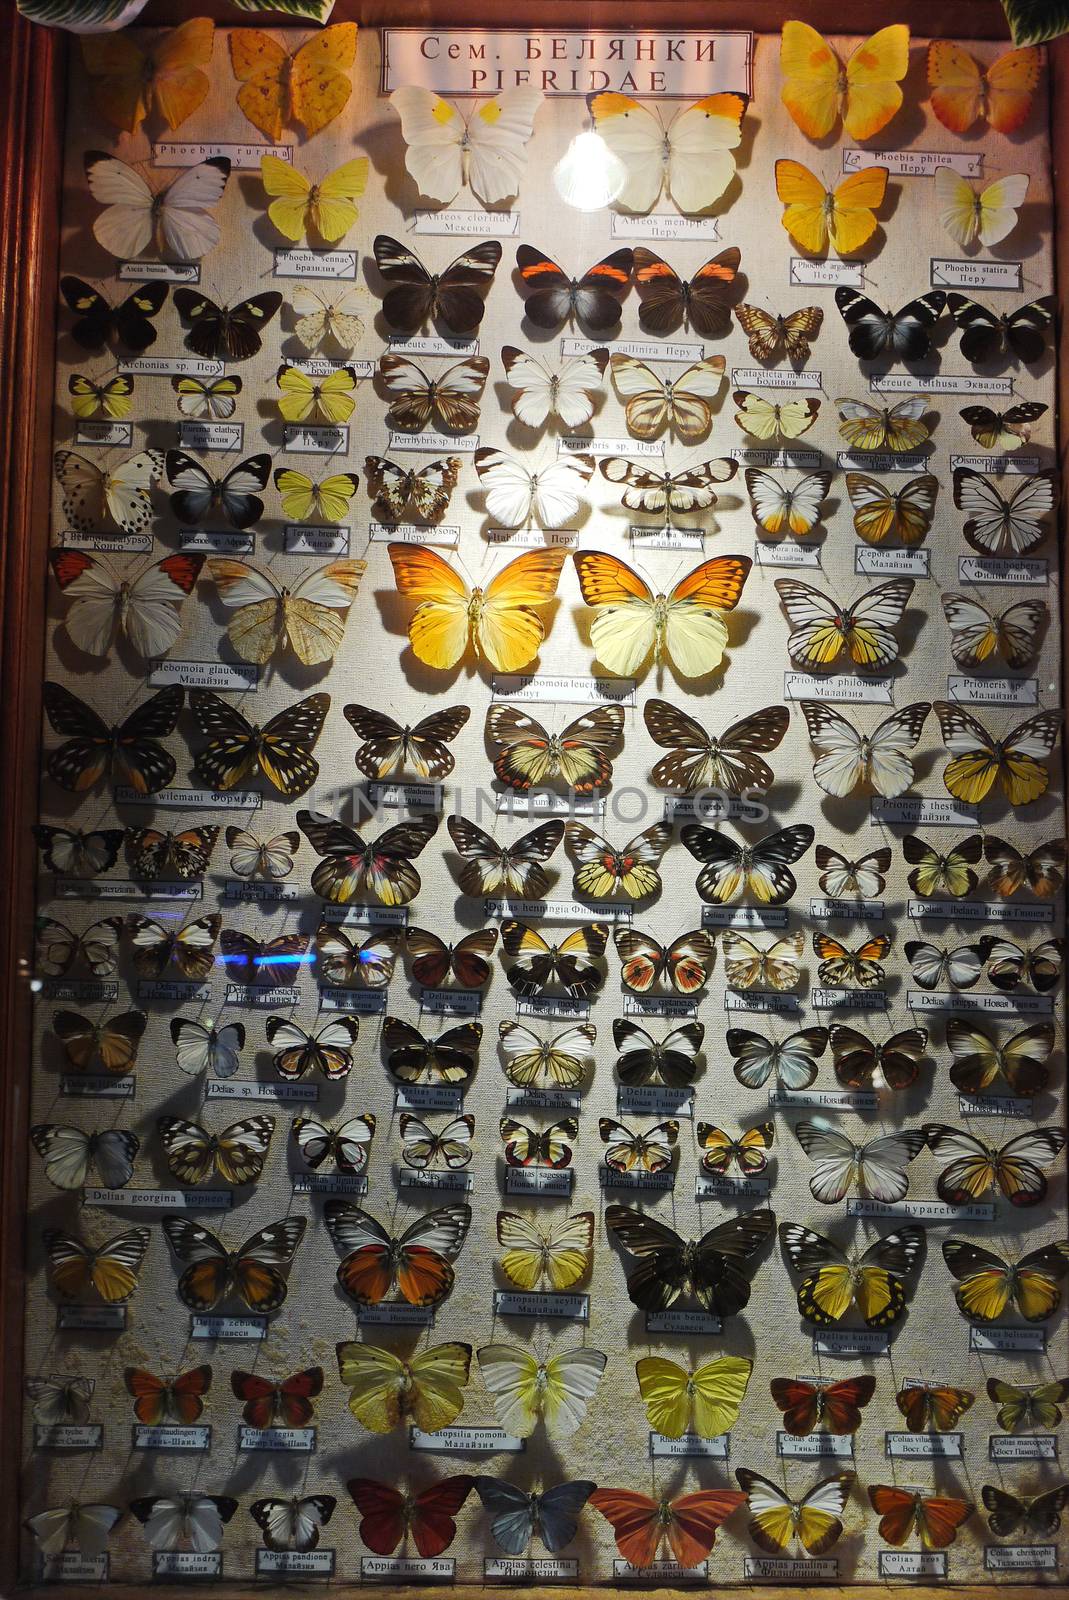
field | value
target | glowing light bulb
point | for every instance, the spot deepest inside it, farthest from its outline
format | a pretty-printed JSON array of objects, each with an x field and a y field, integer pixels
[{"x": 589, "y": 175}]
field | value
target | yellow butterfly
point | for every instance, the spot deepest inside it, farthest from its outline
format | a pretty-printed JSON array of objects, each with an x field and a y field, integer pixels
[
  {"x": 816, "y": 216},
  {"x": 762, "y": 418},
  {"x": 308, "y": 399},
  {"x": 817, "y": 88},
  {"x": 328, "y": 207},
  {"x": 524, "y": 1389},
  {"x": 706, "y": 1399},
  {"x": 303, "y": 499},
  {"x": 384, "y": 1389},
  {"x": 978, "y": 759},
  {"x": 112, "y": 397},
  {"x": 311, "y": 86},
  {"x": 499, "y": 621},
  {"x": 128, "y": 82},
  {"x": 685, "y": 626},
  {"x": 988, "y": 215},
  {"x": 559, "y": 1251},
  {"x": 898, "y": 427}
]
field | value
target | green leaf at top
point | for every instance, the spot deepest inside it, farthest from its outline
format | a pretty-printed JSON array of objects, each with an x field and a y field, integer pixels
[
  {"x": 312, "y": 10},
  {"x": 82, "y": 16},
  {"x": 1033, "y": 21}
]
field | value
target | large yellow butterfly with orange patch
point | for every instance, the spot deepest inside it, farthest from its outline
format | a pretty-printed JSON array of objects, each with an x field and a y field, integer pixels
[
  {"x": 817, "y": 88},
  {"x": 498, "y": 621},
  {"x": 685, "y": 626}
]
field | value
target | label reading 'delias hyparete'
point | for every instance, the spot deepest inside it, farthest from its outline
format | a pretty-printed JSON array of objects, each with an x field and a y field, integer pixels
[{"x": 920, "y": 1210}]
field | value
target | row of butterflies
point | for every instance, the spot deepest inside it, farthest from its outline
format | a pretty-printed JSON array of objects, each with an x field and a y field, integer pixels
[
  {"x": 714, "y": 1270},
  {"x": 874, "y": 1170}
]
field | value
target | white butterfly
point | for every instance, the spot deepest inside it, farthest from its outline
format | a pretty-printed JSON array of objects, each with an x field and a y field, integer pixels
[
  {"x": 977, "y": 634},
  {"x": 422, "y": 1144},
  {"x": 263, "y": 858},
  {"x": 876, "y": 1170},
  {"x": 350, "y": 1143},
  {"x": 87, "y": 1527},
  {"x": 865, "y": 876},
  {"x": 68, "y": 1154},
  {"x": 749, "y": 967},
  {"x": 523, "y": 1388},
  {"x": 848, "y": 759},
  {"x": 514, "y": 492},
  {"x": 690, "y": 158},
  {"x": 793, "y": 1060},
  {"x": 486, "y": 150},
  {"x": 326, "y": 313},
  {"x": 176, "y": 217},
  {"x": 988, "y": 215},
  {"x": 145, "y": 610},
  {"x": 778, "y": 506},
  {"x": 931, "y": 965},
  {"x": 293, "y": 1524},
  {"x": 1001, "y": 525},
  {"x": 195, "y": 1520},
  {"x": 59, "y": 1398},
  {"x": 124, "y": 493},
  {"x": 199, "y": 1047},
  {"x": 207, "y": 397},
  {"x": 542, "y": 391}
]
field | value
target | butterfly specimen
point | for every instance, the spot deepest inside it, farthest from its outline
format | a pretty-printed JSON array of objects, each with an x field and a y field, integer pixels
[
  {"x": 775, "y": 1519},
  {"x": 793, "y": 1060},
  {"x": 859, "y": 1062},
  {"x": 628, "y": 1150},
  {"x": 287, "y": 1403},
  {"x": 714, "y": 1269},
  {"x": 316, "y": 399},
  {"x": 130, "y": 322},
  {"x": 818, "y": 89},
  {"x": 253, "y": 857},
  {"x": 215, "y": 398},
  {"x": 325, "y": 208},
  {"x": 349, "y": 1144},
  {"x": 762, "y": 418},
  {"x": 897, "y": 427},
  {"x": 988, "y": 1284},
  {"x": 112, "y": 397},
  {"x": 942, "y": 874},
  {"x": 384, "y": 1389},
  {"x": 573, "y": 962},
  {"x": 177, "y": 218},
  {"x": 311, "y": 86},
  {"x": 988, "y": 215},
  {"x": 516, "y": 1516},
  {"x": 1009, "y": 967},
  {"x": 525, "y": 1390},
  {"x": 720, "y": 1152},
  {"x": 806, "y": 1405},
  {"x": 293, "y": 1524},
  {"x": 455, "y": 297},
  {"x": 988, "y": 335},
  {"x": 128, "y": 82},
  {"x": 701, "y": 302},
  {"x": 433, "y": 961},
  {"x": 977, "y": 1168},
  {"x": 85, "y": 1526},
  {"x": 577, "y": 757},
  {"x": 157, "y": 1400},
  {"x": 895, "y": 335},
  {"x": 383, "y": 868},
  {"x": 129, "y": 754},
  {"x": 448, "y": 1058},
  {"x": 560, "y": 1251},
  {"x": 873, "y": 1280},
  {"x": 878, "y": 760},
  {"x": 1042, "y": 870},
  {"x": 417, "y": 1262},
  {"x": 77, "y": 854},
  {"x": 705, "y": 1401},
  {"x": 690, "y": 159},
  {"x": 874, "y": 1169},
  {"x": 189, "y": 947},
  {"x": 559, "y": 1063},
  {"x": 254, "y": 1271},
  {"x": 760, "y": 871},
  {"x": 450, "y": 400},
  {"x": 230, "y": 333},
  {"x": 999, "y": 524},
  {"x": 59, "y": 949},
  {"x": 193, "y": 1520},
  {"x": 1038, "y": 1515},
  {"x": 237, "y": 749},
  {"x": 154, "y": 855},
  {"x": 416, "y": 494},
  {"x": 424, "y": 1146},
  {"x": 748, "y": 966},
  {"x": 1028, "y": 1405},
  {"x": 110, "y": 1269},
  {"x": 773, "y": 336},
  {"x": 1002, "y": 430},
  {"x": 327, "y": 314},
  {"x": 653, "y": 403},
  {"x": 566, "y": 391},
  {"x": 978, "y": 759},
  {"x": 932, "y": 965},
  {"x": 485, "y": 151},
  {"x": 931, "y": 1405},
  {"x": 689, "y": 1522},
  {"x": 979, "y": 636},
  {"x": 388, "y": 1516},
  {"x": 822, "y": 630},
  {"x": 499, "y": 621},
  {"x": 885, "y": 514},
  {"x": 979, "y": 1059},
  {"x": 816, "y": 216},
  {"x": 514, "y": 493},
  {"x": 545, "y": 1147},
  {"x": 963, "y": 91},
  {"x": 308, "y": 618},
  {"x": 235, "y": 496},
  {"x": 686, "y": 626},
  {"x": 604, "y": 870},
  {"x": 934, "y": 1519},
  {"x": 70, "y": 1153},
  {"x": 237, "y": 1154},
  {"x": 60, "y": 1398},
  {"x": 122, "y": 493},
  {"x": 644, "y": 1059},
  {"x": 786, "y": 508},
  {"x": 328, "y": 1051},
  {"x": 304, "y": 499},
  {"x": 698, "y": 760},
  {"x": 364, "y": 963},
  {"x": 490, "y": 868},
  {"x": 684, "y": 965},
  {"x": 671, "y": 493},
  {"x": 552, "y": 298},
  {"x": 252, "y": 960},
  {"x": 840, "y": 876},
  {"x": 200, "y": 1047}
]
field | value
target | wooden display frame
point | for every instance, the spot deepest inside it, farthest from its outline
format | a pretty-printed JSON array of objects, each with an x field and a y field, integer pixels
[{"x": 32, "y": 77}]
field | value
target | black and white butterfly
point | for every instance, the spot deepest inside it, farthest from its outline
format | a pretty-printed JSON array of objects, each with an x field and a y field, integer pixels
[
  {"x": 455, "y": 297},
  {"x": 986, "y": 335},
  {"x": 229, "y": 333},
  {"x": 759, "y": 872},
  {"x": 235, "y": 496},
  {"x": 899, "y": 335}
]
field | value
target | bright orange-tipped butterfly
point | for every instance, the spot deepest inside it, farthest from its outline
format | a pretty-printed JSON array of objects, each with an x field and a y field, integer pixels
[{"x": 417, "y": 1262}]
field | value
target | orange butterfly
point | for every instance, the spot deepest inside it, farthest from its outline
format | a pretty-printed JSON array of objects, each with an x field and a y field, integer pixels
[
  {"x": 962, "y": 91},
  {"x": 177, "y": 1399},
  {"x": 689, "y": 1523},
  {"x": 935, "y": 1518}
]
